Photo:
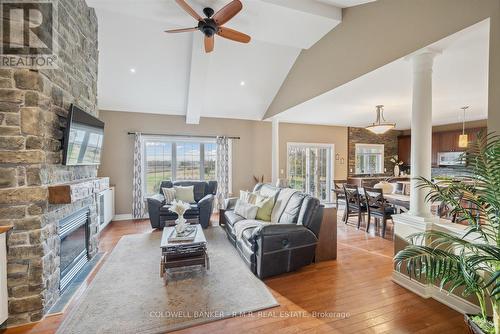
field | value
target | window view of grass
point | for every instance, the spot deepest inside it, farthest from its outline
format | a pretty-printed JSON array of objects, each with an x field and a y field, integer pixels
[{"x": 190, "y": 161}]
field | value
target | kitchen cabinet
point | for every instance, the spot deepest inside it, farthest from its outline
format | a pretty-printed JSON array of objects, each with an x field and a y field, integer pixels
[
  {"x": 404, "y": 149},
  {"x": 441, "y": 142}
]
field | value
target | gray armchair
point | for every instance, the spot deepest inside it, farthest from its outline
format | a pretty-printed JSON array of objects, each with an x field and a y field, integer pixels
[{"x": 204, "y": 195}]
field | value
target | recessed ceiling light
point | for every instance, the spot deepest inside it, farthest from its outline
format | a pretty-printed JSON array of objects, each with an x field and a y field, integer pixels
[
  {"x": 242, "y": 83},
  {"x": 132, "y": 70}
]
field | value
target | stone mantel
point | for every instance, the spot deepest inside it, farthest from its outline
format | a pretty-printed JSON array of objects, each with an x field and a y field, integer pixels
[{"x": 71, "y": 192}]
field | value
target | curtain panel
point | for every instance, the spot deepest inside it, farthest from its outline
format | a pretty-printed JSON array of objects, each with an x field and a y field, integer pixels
[
  {"x": 222, "y": 170},
  {"x": 138, "y": 205}
]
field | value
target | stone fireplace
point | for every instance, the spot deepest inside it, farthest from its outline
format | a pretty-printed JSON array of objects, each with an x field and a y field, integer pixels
[{"x": 33, "y": 108}]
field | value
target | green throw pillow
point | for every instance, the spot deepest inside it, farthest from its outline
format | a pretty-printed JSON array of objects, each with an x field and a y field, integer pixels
[
  {"x": 265, "y": 205},
  {"x": 185, "y": 194}
]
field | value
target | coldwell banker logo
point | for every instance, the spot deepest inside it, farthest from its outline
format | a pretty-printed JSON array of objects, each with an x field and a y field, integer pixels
[{"x": 27, "y": 32}]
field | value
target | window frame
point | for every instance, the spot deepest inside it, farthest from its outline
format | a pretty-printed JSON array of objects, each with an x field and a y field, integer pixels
[
  {"x": 174, "y": 141},
  {"x": 382, "y": 156},
  {"x": 329, "y": 171}
]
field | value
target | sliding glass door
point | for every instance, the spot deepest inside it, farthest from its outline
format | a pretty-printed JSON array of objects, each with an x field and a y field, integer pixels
[{"x": 310, "y": 169}]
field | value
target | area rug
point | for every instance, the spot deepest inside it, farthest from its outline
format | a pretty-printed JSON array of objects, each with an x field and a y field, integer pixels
[{"x": 128, "y": 296}]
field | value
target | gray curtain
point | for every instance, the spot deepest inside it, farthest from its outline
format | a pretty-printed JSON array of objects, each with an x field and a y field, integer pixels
[
  {"x": 138, "y": 205},
  {"x": 222, "y": 169}
]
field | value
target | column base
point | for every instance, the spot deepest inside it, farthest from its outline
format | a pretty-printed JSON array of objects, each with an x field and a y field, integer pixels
[{"x": 405, "y": 225}]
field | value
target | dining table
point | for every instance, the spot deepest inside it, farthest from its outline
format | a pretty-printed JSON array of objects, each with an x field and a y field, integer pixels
[{"x": 399, "y": 201}]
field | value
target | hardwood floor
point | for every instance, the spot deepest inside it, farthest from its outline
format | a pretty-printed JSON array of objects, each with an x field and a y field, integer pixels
[{"x": 353, "y": 294}]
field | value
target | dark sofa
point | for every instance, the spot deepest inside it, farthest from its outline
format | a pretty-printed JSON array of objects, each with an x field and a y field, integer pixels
[
  {"x": 284, "y": 245},
  {"x": 204, "y": 195}
]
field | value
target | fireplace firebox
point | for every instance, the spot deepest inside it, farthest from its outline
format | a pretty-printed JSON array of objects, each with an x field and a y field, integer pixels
[{"x": 74, "y": 250}]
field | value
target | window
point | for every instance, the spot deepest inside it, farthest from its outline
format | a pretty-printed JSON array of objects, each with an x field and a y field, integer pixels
[
  {"x": 168, "y": 159},
  {"x": 369, "y": 159},
  {"x": 310, "y": 169}
]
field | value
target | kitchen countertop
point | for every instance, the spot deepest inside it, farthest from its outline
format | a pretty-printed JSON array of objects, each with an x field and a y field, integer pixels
[{"x": 378, "y": 177}]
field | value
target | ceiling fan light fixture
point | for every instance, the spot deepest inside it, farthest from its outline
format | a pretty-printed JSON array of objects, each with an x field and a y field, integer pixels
[{"x": 380, "y": 126}]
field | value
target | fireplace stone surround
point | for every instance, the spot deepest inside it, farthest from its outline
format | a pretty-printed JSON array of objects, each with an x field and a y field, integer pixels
[{"x": 33, "y": 108}]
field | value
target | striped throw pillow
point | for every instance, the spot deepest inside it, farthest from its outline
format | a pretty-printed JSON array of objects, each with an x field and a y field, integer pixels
[{"x": 169, "y": 194}]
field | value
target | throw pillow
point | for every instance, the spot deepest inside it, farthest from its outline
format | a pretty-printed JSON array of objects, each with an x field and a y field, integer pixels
[
  {"x": 248, "y": 197},
  {"x": 265, "y": 208},
  {"x": 185, "y": 194},
  {"x": 246, "y": 210},
  {"x": 169, "y": 194}
]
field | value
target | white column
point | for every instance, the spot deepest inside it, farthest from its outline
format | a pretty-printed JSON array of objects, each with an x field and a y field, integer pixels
[
  {"x": 421, "y": 130},
  {"x": 275, "y": 152}
]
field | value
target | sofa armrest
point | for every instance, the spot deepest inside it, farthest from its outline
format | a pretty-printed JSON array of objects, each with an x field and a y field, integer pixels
[
  {"x": 274, "y": 237},
  {"x": 157, "y": 199},
  {"x": 206, "y": 201},
  {"x": 205, "y": 207},
  {"x": 230, "y": 203},
  {"x": 155, "y": 203}
]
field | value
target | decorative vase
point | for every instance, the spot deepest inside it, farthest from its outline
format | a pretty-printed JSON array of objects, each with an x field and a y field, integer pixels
[
  {"x": 180, "y": 224},
  {"x": 396, "y": 170}
]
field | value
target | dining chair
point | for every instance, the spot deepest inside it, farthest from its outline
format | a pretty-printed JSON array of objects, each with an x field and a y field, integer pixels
[
  {"x": 339, "y": 194},
  {"x": 378, "y": 207},
  {"x": 355, "y": 205}
]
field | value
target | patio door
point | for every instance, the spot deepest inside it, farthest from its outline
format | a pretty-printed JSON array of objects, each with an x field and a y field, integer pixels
[{"x": 310, "y": 169}]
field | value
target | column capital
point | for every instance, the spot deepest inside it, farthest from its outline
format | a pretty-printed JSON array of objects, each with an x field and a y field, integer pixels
[{"x": 423, "y": 59}]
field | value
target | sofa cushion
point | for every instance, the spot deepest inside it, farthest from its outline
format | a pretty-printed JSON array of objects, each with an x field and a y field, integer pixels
[
  {"x": 246, "y": 210},
  {"x": 291, "y": 212},
  {"x": 281, "y": 201},
  {"x": 198, "y": 188},
  {"x": 169, "y": 194},
  {"x": 184, "y": 194},
  {"x": 232, "y": 217},
  {"x": 265, "y": 208},
  {"x": 267, "y": 190}
]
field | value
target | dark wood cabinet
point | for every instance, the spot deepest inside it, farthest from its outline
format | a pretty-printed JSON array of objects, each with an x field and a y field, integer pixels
[
  {"x": 441, "y": 142},
  {"x": 436, "y": 141},
  {"x": 404, "y": 149}
]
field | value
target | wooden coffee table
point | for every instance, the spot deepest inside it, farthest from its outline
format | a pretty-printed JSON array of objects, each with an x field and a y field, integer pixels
[{"x": 183, "y": 254}]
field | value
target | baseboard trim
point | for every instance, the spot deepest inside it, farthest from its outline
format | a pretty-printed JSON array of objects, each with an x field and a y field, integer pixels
[
  {"x": 431, "y": 291},
  {"x": 127, "y": 216}
]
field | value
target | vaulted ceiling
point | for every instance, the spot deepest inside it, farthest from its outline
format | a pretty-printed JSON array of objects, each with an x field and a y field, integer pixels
[
  {"x": 143, "y": 69},
  {"x": 460, "y": 78}
]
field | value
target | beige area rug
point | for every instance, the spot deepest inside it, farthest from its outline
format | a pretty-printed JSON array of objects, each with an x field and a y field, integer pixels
[{"x": 128, "y": 296}]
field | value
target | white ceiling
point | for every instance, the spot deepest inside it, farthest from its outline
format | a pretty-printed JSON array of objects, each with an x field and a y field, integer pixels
[
  {"x": 174, "y": 76},
  {"x": 460, "y": 77}
]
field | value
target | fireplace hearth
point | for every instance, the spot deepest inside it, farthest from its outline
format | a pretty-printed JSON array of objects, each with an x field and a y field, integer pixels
[{"x": 74, "y": 251}]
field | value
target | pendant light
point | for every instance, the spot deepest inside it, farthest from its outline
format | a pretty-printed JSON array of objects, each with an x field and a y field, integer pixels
[
  {"x": 463, "y": 140},
  {"x": 381, "y": 125}
]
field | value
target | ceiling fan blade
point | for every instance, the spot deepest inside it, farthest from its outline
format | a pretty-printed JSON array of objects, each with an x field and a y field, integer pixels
[
  {"x": 187, "y": 8},
  {"x": 233, "y": 35},
  {"x": 209, "y": 44},
  {"x": 181, "y": 30},
  {"x": 227, "y": 12}
]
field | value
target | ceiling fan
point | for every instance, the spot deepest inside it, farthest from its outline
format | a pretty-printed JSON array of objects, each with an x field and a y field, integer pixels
[{"x": 213, "y": 24}]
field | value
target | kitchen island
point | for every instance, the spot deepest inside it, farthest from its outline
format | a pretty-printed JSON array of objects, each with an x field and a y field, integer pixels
[{"x": 370, "y": 181}]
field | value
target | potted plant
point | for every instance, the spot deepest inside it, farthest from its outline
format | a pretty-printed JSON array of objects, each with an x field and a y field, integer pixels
[
  {"x": 471, "y": 262},
  {"x": 397, "y": 163}
]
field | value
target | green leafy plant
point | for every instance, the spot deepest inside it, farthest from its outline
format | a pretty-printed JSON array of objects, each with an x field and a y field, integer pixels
[{"x": 471, "y": 262}]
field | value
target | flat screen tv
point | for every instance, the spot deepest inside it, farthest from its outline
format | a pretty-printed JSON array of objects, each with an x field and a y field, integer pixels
[{"x": 82, "y": 139}]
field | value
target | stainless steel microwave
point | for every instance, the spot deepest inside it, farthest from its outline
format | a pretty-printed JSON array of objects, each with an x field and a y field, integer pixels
[{"x": 451, "y": 159}]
